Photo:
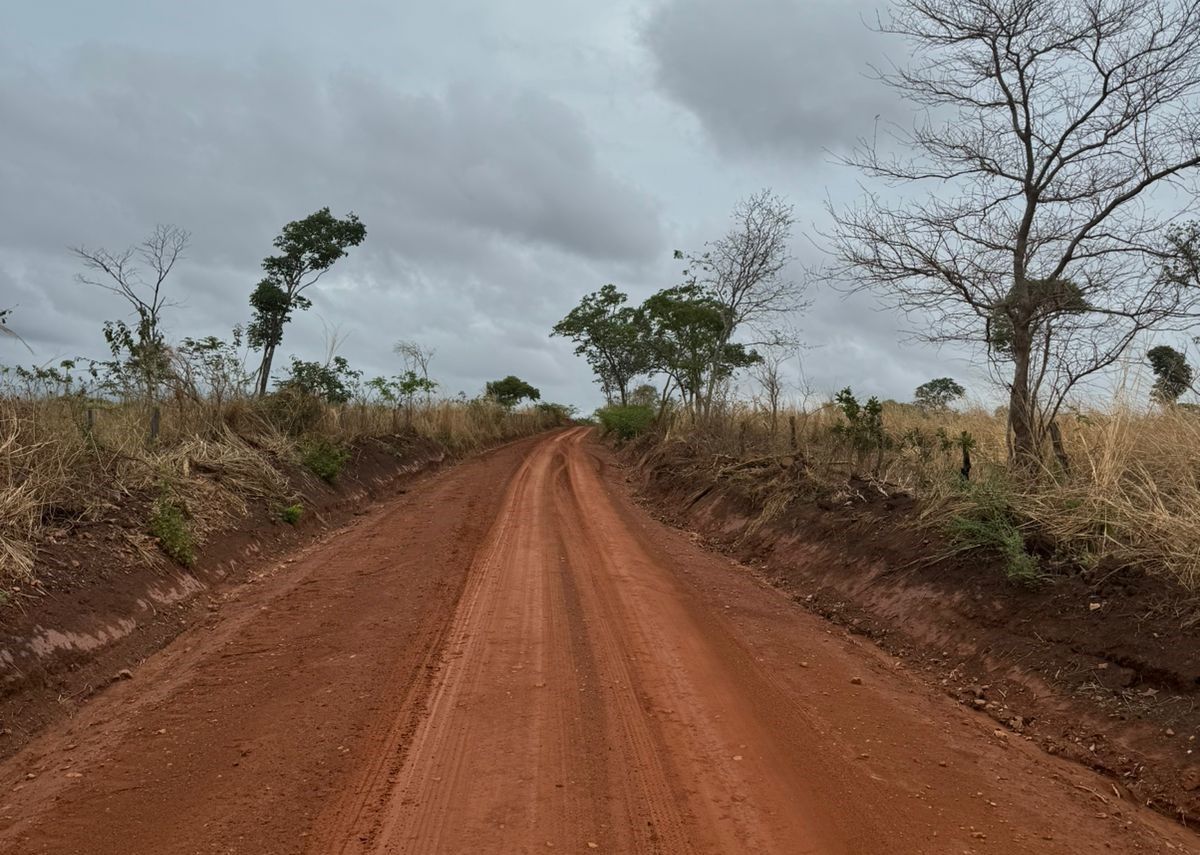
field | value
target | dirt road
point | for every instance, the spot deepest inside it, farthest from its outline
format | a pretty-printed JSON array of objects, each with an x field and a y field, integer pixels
[{"x": 513, "y": 657}]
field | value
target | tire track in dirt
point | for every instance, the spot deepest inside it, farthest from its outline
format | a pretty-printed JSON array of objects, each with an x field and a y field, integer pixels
[
  {"x": 693, "y": 744},
  {"x": 508, "y": 642},
  {"x": 681, "y": 698},
  {"x": 280, "y": 709}
]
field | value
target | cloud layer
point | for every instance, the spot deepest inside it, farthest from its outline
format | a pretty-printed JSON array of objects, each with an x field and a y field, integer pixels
[
  {"x": 480, "y": 203},
  {"x": 769, "y": 76},
  {"x": 505, "y": 161}
]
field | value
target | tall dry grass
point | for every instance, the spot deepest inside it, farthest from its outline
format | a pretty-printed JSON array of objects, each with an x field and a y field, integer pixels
[
  {"x": 67, "y": 459},
  {"x": 1129, "y": 497}
]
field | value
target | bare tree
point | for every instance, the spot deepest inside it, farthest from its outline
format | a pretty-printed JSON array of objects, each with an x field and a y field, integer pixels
[
  {"x": 769, "y": 375},
  {"x": 1046, "y": 129},
  {"x": 416, "y": 358},
  {"x": 745, "y": 271},
  {"x": 137, "y": 275}
]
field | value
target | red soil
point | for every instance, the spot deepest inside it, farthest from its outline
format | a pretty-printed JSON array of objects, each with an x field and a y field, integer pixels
[{"x": 512, "y": 657}]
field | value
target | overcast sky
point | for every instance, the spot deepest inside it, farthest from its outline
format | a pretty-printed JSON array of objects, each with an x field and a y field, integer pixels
[{"x": 506, "y": 158}]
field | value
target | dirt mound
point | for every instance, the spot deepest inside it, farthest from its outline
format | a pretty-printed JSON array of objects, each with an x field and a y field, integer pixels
[{"x": 1100, "y": 666}]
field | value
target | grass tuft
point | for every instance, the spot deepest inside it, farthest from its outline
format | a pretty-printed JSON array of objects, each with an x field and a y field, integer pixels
[
  {"x": 169, "y": 524},
  {"x": 984, "y": 519},
  {"x": 323, "y": 457}
]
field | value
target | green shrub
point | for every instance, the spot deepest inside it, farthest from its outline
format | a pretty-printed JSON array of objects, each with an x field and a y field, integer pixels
[
  {"x": 626, "y": 422},
  {"x": 986, "y": 521},
  {"x": 169, "y": 525},
  {"x": 323, "y": 458},
  {"x": 863, "y": 428},
  {"x": 291, "y": 514},
  {"x": 561, "y": 413}
]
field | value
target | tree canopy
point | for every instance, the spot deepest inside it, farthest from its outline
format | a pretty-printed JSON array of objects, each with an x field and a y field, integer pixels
[
  {"x": 609, "y": 334},
  {"x": 307, "y": 249},
  {"x": 938, "y": 394},
  {"x": 511, "y": 391},
  {"x": 1172, "y": 373}
]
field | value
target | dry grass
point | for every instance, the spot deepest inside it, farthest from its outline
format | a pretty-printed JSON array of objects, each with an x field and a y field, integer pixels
[
  {"x": 1131, "y": 496},
  {"x": 44, "y": 469},
  {"x": 59, "y": 466}
]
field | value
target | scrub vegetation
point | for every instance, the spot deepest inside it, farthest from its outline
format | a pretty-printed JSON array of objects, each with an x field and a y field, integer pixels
[
  {"x": 179, "y": 439},
  {"x": 1044, "y": 221}
]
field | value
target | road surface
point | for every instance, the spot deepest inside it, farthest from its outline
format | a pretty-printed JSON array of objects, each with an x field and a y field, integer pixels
[{"x": 512, "y": 657}]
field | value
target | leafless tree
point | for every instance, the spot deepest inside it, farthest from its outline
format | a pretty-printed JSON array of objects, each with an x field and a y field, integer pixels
[
  {"x": 1047, "y": 129},
  {"x": 746, "y": 272},
  {"x": 137, "y": 275},
  {"x": 769, "y": 375},
  {"x": 416, "y": 357}
]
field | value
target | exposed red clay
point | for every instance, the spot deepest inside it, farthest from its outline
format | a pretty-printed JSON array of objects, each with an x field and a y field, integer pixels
[{"x": 512, "y": 658}]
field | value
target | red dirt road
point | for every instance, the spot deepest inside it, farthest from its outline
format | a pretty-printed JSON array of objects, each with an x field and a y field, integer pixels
[{"x": 512, "y": 657}]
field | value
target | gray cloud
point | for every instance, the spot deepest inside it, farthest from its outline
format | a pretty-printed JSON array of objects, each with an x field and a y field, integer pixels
[
  {"x": 480, "y": 203},
  {"x": 506, "y": 159},
  {"x": 769, "y": 76},
  {"x": 144, "y": 133}
]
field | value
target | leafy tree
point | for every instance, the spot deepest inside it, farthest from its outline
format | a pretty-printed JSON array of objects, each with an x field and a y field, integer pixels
[
  {"x": 644, "y": 395},
  {"x": 335, "y": 382},
  {"x": 609, "y": 334},
  {"x": 511, "y": 391},
  {"x": 307, "y": 249},
  {"x": 1045, "y": 131},
  {"x": 938, "y": 394},
  {"x": 403, "y": 390},
  {"x": 685, "y": 328},
  {"x": 1172, "y": 374}
]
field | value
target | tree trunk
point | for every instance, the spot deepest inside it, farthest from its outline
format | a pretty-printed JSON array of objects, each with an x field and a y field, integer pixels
[
  {"x": 264, "y": 370},
  {"x": 1022, "y": 411},
  {"x": 1060, "y": 450},
  {"x": 664, "y": 399}
]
